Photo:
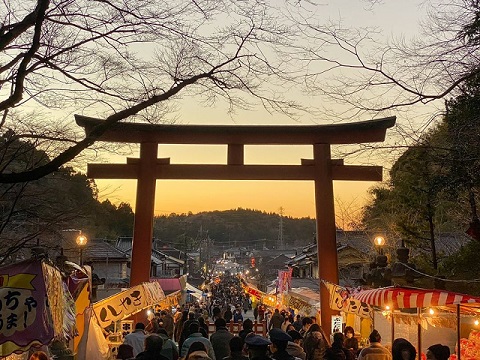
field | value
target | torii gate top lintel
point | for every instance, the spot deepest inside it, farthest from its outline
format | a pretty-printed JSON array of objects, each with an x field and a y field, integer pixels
[{"x": 345, "y": 133}]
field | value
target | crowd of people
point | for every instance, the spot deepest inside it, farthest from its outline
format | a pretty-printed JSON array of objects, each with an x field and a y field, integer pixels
[{"x": 185, "y": 335}]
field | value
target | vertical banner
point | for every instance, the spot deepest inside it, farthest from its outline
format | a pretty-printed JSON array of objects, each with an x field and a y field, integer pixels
[
  {"x": 336, "y": 324},
  {"x": 284, "y": 280},
  {"x": 25, "y": 319}
]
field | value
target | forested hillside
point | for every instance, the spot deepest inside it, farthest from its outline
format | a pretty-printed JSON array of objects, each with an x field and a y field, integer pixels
[{"x": 239, "y": 227}]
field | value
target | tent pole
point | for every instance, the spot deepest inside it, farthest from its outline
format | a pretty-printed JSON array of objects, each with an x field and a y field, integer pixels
[
  {"x": 419, "y": 331},
  {"x": 458, "y": 332},
  {"x": 393, "y": 327}
]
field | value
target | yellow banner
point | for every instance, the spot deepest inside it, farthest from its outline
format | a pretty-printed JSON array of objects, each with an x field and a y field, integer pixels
[
  {"x": 341, "y": 300},
  {"x": 18, "y": 281},
  {"x": 127, "y": 303}
]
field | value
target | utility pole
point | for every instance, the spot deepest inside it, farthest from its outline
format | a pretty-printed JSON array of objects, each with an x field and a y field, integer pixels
[{"x": 280, "y": 242}]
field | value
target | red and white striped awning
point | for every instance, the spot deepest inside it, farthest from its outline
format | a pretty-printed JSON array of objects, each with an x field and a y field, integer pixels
[{"x": 405, "y": 298}]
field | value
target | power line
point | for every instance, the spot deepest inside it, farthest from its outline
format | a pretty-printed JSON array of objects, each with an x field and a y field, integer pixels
[{"x": 439, "y": 278}]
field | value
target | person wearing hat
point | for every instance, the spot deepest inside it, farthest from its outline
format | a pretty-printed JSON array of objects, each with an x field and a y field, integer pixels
[
  {"x": 438, "y": 352},
  {"x": 375, "y": 350},
  {"x": 257, "y": 347},
  {"x": 280, "y": 339},
  {"x": 294, "y": 347}
]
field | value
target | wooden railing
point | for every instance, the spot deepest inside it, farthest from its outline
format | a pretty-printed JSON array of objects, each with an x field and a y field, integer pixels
[{"x": 259, "y": 327}]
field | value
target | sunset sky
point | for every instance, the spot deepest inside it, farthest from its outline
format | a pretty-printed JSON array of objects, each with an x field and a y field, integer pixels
[{"x": 296, "y": 198}]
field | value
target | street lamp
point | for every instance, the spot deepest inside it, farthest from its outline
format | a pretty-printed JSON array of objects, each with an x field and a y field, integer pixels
[
  {"x": 379, "y": 242},
  {"x": 81, "y": 241}
]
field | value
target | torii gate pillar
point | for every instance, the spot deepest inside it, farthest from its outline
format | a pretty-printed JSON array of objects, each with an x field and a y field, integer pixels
[
  {"x": 326, "y": 229},
  {"x": 144, "y": 214}
]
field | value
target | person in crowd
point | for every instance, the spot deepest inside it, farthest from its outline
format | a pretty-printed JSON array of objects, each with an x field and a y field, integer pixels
[
  {"x": 261, "y": 312},
  {"x": 247, "y": 328},
  {"x": 205, "y": 314},
  {"x": 375, "y": 351},
  {"x": 186, "y": 328},
  {"x": 276, "y": 320},
  {"x": 237, "y": 316},
  {"x": 216, "y": 313},
  {"x": 306, "y": 323},
  {"x": 236, "y": 348},
  {"x": 315, "y": 343},
  {"x": 245, "y": 305},
  {"x": 294, "y": 347},
  {"x": 285, "y": 323},
  {"x": 153, "y": 347},
  {"x": 297, "y": 324},
  {"x": 438, "y": 352},
  {"x": 338, "y": 351},
  {"x": 255, "y": 312},
  {"x": 257, "y": 347},
  {"x": 179, "y": 325},
  {"x": 196, "y": 336},
  {"x": 227, "y": 315},
  {"x": 220, "y": 339},
  {"x": 38, "y": 355},
  {"x": 203, "y": 326},
  {"x": 280, "y": 340},
  {"x": 402, "y": 349},
  {"x": 125, "y": 352},
  {"x": 153, "y": 324},
  {"x": 197, "y": 351},
  {"x": 168, "y": 322},
  {"x": 169, "y": 348},
  {"x": 136, "y": 339},
  {"x": 351, "y": 343}
]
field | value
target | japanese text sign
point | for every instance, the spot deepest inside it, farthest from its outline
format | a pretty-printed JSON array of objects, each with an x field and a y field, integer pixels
[
  {"x": 127, "y": 303},
  {"x": 24, "y": 314}
]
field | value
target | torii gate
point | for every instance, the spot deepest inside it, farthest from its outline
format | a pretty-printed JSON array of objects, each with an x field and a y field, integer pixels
[{"x": 322, "y": 169}]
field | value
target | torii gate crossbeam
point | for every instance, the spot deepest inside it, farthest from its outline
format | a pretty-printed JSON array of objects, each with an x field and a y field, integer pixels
[{"x": 321, "y": 169}]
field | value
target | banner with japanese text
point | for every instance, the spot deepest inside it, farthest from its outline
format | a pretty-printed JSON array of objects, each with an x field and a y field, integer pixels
[
  {"x": 127, "y": 303},
  {"x": 284, "y": 280},
  {"x": 341, "y": 300},
  {"x": 25, "y": 317}
]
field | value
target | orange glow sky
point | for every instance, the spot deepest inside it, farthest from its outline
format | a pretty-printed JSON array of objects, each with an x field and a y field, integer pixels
[{"x": 296, "y": 198}]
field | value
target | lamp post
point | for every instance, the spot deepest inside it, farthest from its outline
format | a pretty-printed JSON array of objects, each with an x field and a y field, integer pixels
[
  {"x": 81, "y": 241},
  {"x": 379, "y": 242},
  {"x": 380, "y": 274}
]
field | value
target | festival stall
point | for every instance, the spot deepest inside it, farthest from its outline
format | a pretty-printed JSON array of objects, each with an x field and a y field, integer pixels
[
  {"x": 110, "y": 312},
  {"x": 428, "y": 308},
  {"x": 171, "y": 300},
  {"x": 303, "y": 301},
  {"x": 193, "y": 291},
  {"x": 35, "y": 306}
]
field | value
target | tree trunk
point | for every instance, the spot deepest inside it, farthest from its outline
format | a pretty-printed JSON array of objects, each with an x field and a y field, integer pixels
[{"x": 432, "y": 236}]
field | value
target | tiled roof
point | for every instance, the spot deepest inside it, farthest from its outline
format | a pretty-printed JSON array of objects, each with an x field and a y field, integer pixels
[
  {"x": 100, "y": 249},
  {"x": 159, "y": 256},
  {"x": 313, "y": 284}
]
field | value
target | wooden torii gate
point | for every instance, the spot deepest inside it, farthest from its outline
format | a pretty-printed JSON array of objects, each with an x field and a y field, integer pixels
[{"x": 322, "y": 169}]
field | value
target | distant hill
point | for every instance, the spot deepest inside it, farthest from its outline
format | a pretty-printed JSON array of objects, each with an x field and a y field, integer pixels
[{"x": 232, "y": 228}]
